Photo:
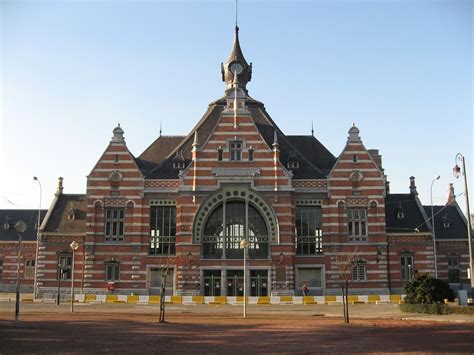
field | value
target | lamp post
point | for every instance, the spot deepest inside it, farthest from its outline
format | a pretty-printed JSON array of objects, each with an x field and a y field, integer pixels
[
  {"x": 74, "y": 246},
  {"x": 434, "y": 228},
  {"x": 457, "y": 173},
  {"x": 58, "y": 299},
  {"x": 20, "y": 227},
  {"x": 245, "y": 245},
  {"x": 35, "y": 289}
]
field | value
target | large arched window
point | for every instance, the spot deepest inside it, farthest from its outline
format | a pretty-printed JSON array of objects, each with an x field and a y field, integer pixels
[{"x": 228, "y": 224}]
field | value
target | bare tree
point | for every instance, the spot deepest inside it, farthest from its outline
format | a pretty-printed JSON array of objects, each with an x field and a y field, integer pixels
[
  {"x": 165, "y": 272},
  {"x": 345, "y": 264}
]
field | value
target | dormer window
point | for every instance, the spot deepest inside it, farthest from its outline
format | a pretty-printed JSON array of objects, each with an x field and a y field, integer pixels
[
  {"x": 446, "y": 224},
  {"x": 293, "y": 165},
  {"x": 400, "y": 215},
  {"x": 179, "y": 162},
  {"x": 235, "y": 150}
]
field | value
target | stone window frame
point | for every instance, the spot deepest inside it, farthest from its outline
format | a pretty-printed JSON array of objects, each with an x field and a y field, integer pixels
[
  {"x": 117, "y": 222},
  {"x": 29, "y": 268},
  {"x": 114, "y": 267},
  {"x": 407, "y": 270},
  {"x": 235, "y": 151},
  {"x": 359, "y": 270},
  {"x": 164, "y": 240},
  {"x": 358, "y": 223},
  {"x": 307, "y": 239}
]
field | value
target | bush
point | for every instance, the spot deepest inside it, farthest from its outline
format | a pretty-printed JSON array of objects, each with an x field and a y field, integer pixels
[
  {"x": 425, "y": 289},
  {"x": 431, "y": 308}
]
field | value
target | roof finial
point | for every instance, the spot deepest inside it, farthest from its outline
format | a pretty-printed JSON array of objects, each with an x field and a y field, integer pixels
[
  {"x": 236, "y": 11},
  {"x": 312, "y": 129},
  {"x": 160, "y": 128}
]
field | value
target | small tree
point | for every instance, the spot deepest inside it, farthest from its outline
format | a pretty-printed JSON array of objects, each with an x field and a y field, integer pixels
[
  {"x": 345, "y": 263},
  {"x": 424, "y": 289},
  {"x": 165, "y": 272}
]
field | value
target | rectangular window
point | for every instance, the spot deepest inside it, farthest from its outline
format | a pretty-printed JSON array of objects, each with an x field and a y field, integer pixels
[
  {"x": 1, "y": 270},
  {"x": 112, "y": 271},
  {"x": 220, "y": 153},
  {"x": 312, "y": 277},
  {"x": 357, "y": 224},
  {"x": 407, "y": 269},
  {"x": 114, "y": 224},
  {"x": 65, "y": 267},
  {"x": 359, "y": 271},
  {"x": 29, "y": 269},
  {"x": 235, "y": 150},
  {"x": 162, "y": 230},
  {"x": 453, "y": 269},
  {"x": 309, "y": 231},
  {"x": 250, "y": 154}
]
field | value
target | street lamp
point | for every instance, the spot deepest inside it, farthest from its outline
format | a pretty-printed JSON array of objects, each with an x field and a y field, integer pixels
[
  {"x": 74, "y": 246},
  {"x": 434, "y": 228},
  {"x": 245, "y": 245},
  {"x": 20, "y": 227},
  {"x": 457, "y": 173},
  {"x": 35, "y": 289}
]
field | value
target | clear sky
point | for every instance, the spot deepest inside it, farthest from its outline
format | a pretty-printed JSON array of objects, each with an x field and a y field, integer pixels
[{"x": 401, "y": 70}]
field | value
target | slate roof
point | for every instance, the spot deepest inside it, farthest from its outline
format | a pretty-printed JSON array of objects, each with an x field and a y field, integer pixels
[
  {"x": 10, "y": 217},
  {"x": 315, "y": 161},
  {"x": 457, "y": 228},
  {"x": 414, "y": 217},
  {"x": 59, "y": 219}
]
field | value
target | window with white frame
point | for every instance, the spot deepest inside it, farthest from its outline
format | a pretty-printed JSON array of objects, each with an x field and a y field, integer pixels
[
  {"x": 309, "y": 231},
  {"x": 29, "y": 268},
  {"x": 357, "y": 224},
  {"x": 112, "y": 271},
  {"x": 65, "y": 266},
  {"x": 114, "y": 224},
  {"x": 359, "y": 271},
  {"x": 162, "y": 230},
  {"x": 235, "y": 150},
  {"x": 407, "y": 269}
]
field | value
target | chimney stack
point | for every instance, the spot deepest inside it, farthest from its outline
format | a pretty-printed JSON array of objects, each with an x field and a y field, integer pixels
[
  {"x": 60, "y": 189},
  {"x": 451, "y": 195},
  {"x": 413, "y": 186}
]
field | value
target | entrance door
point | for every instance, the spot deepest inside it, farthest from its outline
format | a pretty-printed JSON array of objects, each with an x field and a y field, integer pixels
[
  {"x": 212, "y": 283},
  {"x": 235, "y": 283},
  {"x": 258, "y": 282}
]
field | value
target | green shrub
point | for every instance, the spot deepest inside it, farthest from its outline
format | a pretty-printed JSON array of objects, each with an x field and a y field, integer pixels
[
  {"x": 425, "y": 289},
  {"x": 462, "y": 310},
  {"x": 429, "y": 308}
]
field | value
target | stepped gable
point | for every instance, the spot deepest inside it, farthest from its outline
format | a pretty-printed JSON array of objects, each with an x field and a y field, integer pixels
[
  {"x": 8, "y": 219},
  {"x": 69, "y": 214},
  {"x": 413, "y": 215},
  {"x": 456, "y": 227}
]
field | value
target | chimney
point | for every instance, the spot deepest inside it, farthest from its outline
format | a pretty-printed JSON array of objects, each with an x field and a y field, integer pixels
[
  {"x": 60, "y": 189},
  {"x": 451, "y": 195},
  {"x": 413, "y": 186},
  {"x": 387, "y": 187}
]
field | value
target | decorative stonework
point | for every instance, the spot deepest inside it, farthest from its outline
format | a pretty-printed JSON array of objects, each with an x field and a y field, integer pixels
[
  {"x": 357, "y": 201},
  {"x": 114, "y": 201},
  {"x": 162, "y": 203},
  {"x": 162, "y": 183},
  {"x": 309, "y": 183},
  {"x": 309, "y": 202}
]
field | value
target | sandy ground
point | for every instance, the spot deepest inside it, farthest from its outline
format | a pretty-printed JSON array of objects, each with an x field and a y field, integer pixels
[{"x": 119, "y": 328}]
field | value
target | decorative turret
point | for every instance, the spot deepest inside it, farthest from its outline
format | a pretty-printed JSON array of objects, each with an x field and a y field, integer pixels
[
  {"x": 413, "y": 186},
  {"x": 353, "y": 134},
  {"x": 451, "y": 195},
  {"x": 59, "y": 190},
  {"x": 236, "y": 63},
  {"x": 118, "y": 134}
]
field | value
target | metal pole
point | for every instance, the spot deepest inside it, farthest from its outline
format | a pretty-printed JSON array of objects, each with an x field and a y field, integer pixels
[
  {"x": 469, "y": 225},
  {"x": 72, "y": 281},
  {"x": 245, "y": 282},
  {"x": 17, "y": 298},
  {"x": 434, "y": 228},
  {"x": 58, "y": 299},
  {"x": 35, "y": 287}
]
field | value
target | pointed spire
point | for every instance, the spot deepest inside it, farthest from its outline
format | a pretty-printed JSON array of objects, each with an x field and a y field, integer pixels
[
  {"x": 275, "y": 140},
  {"x": 160, "y": 128},
  {"x": 312, "y": 129},
  {"x": 236, "y": 63},
  {"x": 196, "y": 140}
]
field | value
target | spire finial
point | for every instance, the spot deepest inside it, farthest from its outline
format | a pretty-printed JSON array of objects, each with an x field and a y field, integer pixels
[
  {"x": 236, "y": 13},
  {"x": 312, "y": 129},
  {"x": 160, "y": 128}
]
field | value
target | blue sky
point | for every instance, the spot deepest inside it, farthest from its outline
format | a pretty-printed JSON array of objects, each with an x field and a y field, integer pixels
[{"x": 71, "y": 70}]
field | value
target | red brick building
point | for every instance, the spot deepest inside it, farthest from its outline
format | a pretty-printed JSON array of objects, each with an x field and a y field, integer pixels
[{"x": 187, "y": 202}]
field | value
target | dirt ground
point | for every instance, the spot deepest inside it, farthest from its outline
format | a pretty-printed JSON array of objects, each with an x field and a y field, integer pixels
[{"x": 221, "y": 329}]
